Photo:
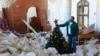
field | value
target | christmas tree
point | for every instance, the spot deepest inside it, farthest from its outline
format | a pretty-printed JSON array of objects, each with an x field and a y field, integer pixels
[{"x": 58, "y": 41}]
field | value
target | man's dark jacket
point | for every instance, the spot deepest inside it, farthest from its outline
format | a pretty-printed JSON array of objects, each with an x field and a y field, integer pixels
[{"x": 74, "y": 28}]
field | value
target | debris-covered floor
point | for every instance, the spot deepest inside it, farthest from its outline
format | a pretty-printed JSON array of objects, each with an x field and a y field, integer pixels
[{"x": 30, "y": 44}]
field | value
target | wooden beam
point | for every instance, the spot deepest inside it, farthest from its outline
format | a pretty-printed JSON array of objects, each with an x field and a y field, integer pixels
[{"x": 28, "y": 25}]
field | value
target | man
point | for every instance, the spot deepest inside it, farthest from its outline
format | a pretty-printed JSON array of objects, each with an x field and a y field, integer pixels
[{"x": 72, "y": 32}]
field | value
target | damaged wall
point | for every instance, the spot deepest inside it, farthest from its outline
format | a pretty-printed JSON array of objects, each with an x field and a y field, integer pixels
[
  {"x": 18, "y": 11},
  {"x": 0, "y": 14},
  {"x": 0, "y": 10}
]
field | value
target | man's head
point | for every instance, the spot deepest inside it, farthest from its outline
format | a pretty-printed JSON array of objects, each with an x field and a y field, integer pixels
[{"x": 71, "y": 19}]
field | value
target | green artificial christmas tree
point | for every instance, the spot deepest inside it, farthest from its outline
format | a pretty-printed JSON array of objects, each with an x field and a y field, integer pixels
[{"x": 58, "y": 41}]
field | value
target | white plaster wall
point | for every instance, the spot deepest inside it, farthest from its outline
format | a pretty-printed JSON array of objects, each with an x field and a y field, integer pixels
[
  {"x": 60, "y": 10},
  {"x": 92, "y": 10},
  {"x": 98, "y": 16},
  {"x": 7, "y": 3},
  {"x": 74, "y": 8}
]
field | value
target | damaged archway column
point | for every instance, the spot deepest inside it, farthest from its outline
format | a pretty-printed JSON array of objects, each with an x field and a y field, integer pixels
[
  {"x": 60, "y": 10},
  {"x": 5, "y": 5}
]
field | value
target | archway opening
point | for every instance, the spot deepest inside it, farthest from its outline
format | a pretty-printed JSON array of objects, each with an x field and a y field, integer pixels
[
  {"x": 33, "y": 19},
  {"x": 31, "y": 13}
]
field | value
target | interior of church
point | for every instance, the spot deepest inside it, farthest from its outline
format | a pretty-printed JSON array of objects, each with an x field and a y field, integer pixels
[{"x": 35, "y": 27}]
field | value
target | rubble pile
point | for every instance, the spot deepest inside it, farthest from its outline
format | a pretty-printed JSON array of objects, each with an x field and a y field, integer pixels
[{"x": 31, "y": 45}]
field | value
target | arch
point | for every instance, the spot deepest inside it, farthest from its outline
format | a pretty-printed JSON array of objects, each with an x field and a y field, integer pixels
[
  {"x": 33, "y": 18},
  {"x": 83, "y": 13},
  {"x": 31, "y": 12}
]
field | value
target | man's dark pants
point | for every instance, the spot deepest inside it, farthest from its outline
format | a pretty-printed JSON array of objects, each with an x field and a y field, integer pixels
[{"x": 72, "y": 43}]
